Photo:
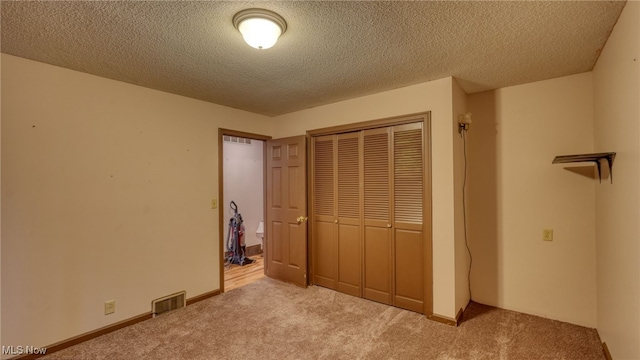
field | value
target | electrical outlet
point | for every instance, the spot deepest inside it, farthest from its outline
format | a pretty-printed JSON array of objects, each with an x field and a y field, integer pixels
[
  {"x": 109, "y": 307},
  {"x": 547, "y": 234},
  {"x": 214, "y": 203}
]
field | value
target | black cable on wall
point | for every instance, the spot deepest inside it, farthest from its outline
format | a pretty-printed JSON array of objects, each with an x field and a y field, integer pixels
[{"x": 463, "y": 131}]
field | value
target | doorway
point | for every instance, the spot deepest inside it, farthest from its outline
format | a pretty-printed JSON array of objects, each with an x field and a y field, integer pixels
[{"x": 241, "y": 177}]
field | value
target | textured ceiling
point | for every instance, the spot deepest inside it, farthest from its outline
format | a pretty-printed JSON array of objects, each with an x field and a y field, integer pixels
[{"x": 331, "y": 51}]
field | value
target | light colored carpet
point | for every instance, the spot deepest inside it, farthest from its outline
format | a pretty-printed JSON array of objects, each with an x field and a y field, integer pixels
[{"x": 272, "y": 320}]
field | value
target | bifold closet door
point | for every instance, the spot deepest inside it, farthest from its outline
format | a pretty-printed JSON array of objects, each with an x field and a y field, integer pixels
[
  {"x": 324, "y": 234},
  {"x": 348, "y": 214},
  {"x": 337, "y": 233},
  {"x": 378, "y": 249},
  {"x": 408, "y": 193},
  {"x": 368, "y": 235}
]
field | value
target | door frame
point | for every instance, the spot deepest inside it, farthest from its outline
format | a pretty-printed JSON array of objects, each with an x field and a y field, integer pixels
[
  {"x": 221, "y": 223},
  {"x": 427, "y": 226}
]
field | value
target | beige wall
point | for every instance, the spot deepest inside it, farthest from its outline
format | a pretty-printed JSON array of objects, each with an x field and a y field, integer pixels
[
  {"x": 617, "y": 128},
  {"x": 461, "y": 254},
  {"x": 434, "y": 96},
  {"x": 515, "y": 192},
  {"x": 106, "y": 192}
]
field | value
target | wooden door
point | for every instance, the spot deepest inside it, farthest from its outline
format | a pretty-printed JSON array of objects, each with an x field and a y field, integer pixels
[
  {"x": 324, "y": 245},
  {"x": 348, "y": 214},
  {"x": 286, "y": 240},
  {"x": 378, "y": 249},
  {"x": 337, "y": 259},
  {"x": 369, "y": 234},
  {"x": 408, "y": 192}
]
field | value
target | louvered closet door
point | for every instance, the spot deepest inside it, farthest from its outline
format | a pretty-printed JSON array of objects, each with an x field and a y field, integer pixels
[
  {"x": 377, "y": 216},
  {"x": 324, "y": 244},
  {"x": 408, "y": 185},
  {"x": 348, "y": 214},
  {"x": 368, "y": 235}
]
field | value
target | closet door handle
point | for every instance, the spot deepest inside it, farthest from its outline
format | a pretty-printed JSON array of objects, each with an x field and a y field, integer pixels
[
  {"x": 388, "y": 225},
  {"x": 335, "y": 221}
]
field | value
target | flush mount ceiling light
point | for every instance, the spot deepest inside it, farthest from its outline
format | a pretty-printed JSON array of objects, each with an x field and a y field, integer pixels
[{"x": 260, "y": 28}]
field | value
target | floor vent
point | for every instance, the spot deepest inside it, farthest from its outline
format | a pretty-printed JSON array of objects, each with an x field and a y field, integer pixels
[{"x": 168, "y": 303}]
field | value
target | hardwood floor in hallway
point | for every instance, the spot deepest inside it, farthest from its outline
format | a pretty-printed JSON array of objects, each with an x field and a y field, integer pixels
[{"x": 236, "y": 276}]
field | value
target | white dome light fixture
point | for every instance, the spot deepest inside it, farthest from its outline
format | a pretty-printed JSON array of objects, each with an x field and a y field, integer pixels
[{"x": 260, "y": 28}]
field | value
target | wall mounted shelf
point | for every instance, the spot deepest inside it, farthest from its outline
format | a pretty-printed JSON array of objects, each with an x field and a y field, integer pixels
[{"x": 595, "y": 157}]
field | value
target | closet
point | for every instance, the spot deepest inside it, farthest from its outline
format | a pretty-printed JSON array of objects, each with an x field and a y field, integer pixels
[{"x": 369, "y": 237}]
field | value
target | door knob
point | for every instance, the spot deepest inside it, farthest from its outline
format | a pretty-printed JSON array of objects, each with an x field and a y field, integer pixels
[
  {"x": 388, "y": 225},
  {"x": 335, "y": 221}
]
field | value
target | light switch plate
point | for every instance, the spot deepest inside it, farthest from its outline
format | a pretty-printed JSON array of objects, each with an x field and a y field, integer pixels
[
  {"x": 109, "y": 307},
  {"x": 214, "y": 203},
  {"x": 547, "y": 234}
]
